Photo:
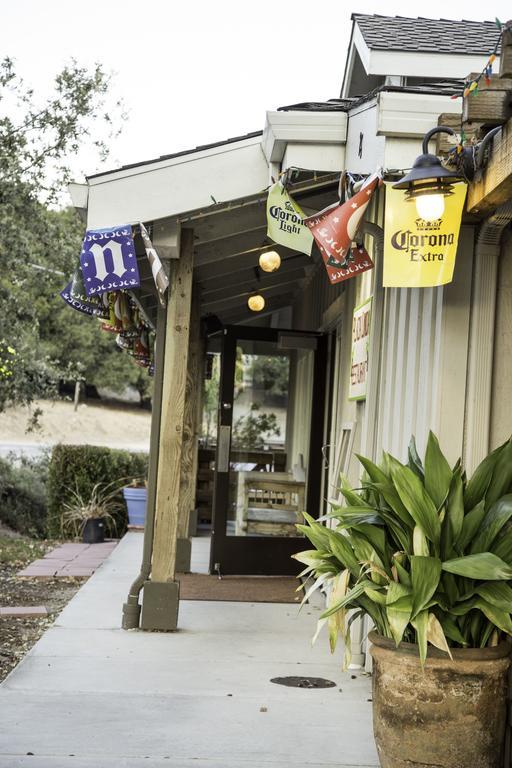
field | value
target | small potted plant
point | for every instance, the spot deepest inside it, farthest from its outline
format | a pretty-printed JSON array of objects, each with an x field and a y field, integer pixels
[
  {"x": 427, "y": 555},
  {"x": 88, "y": 514},
  {"x": 135, "y": 495}
]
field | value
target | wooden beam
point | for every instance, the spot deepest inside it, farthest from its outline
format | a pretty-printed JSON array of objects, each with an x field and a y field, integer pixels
[
  {"x": 173, "y": 409},
  {"x": 243, "y": 314},
  {"x": 495, "y": 186},
  {"x": 166, "y": 238},
  {"x": 234, "y": 265},
  {"x": 221, "y": 305},
  {"x": 189, "y": 445},
  {"x": 253, "y": 283},
  {"x": 247, "y": 275}
]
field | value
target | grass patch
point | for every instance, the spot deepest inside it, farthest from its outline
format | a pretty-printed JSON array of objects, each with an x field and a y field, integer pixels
[{"x": 18, "y": 552}]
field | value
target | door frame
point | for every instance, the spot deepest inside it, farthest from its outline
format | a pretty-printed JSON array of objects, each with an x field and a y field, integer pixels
[{"x": 260, "y": 555}]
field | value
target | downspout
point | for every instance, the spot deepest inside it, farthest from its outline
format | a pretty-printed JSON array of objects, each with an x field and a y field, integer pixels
[
  {"x": 481, "y": 336},
  {"x": 132, "y": 608}
]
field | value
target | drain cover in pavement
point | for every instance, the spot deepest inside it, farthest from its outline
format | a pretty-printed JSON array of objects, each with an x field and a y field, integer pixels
[{"x": 304, "y": 682}]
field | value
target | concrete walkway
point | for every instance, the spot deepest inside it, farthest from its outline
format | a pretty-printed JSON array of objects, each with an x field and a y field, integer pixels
[{"x": 90, "y": 694}]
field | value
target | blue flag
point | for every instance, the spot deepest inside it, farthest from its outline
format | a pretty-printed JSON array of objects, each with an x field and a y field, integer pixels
[{"x": 109, "y": 261}]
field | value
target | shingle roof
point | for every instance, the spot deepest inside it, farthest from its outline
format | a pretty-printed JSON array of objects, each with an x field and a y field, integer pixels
[
  {"x": 200, "y": 148},
  {"x": 398, "y": 33},
  {"x": 332, "y": 105}
]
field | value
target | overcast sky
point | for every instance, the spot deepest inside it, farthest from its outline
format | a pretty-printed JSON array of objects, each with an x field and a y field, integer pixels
[{"x": 191, "y": 71}]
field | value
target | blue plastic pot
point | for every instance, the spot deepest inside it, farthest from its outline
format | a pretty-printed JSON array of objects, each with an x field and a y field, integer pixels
[{"x": 136, "y": 499}]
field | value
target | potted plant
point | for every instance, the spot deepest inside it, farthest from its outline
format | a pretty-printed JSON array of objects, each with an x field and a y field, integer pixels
[
  {"x": 88, "y": 514},
  {"x": 135, "y": 496},
  {"x": 427, "y": 555}
]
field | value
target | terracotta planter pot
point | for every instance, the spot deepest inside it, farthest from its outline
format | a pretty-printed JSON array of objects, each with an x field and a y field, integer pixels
[{"x": 452, "y": 714}]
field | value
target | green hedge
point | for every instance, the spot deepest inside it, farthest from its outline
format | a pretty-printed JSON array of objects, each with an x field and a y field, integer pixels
[
  {"x": 80, "y": 467},
  {"x": 23, "y": 494}
]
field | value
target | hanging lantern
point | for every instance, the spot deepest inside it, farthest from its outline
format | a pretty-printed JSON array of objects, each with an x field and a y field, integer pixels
[
  {"x": 256, "y": 302},
  {"x": 270, "y": 261},
  {"x": 429, "y": 182}
]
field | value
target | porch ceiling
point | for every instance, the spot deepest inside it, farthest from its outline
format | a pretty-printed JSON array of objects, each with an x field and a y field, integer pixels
[{"x": 228, "y": 241}]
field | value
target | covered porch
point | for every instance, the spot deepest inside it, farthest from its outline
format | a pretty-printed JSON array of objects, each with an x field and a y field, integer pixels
[
  {"x": 132, "y": 699},
  {"x": 210, "y": 251}
]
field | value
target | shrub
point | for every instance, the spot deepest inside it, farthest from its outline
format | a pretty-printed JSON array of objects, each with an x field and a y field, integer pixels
[
  {"x": 422, "y": 550},
  {"x": 23, "y": 499},
  {"x": 78, "y": 468}
]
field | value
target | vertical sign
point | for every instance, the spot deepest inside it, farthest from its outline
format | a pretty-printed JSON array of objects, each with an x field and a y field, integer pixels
[{"x": 359, "y": 355}]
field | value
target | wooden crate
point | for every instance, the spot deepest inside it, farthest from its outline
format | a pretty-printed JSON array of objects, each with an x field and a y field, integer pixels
[
  {"x": 446, "y": 143},
  {"x": 492, "y": 104}
]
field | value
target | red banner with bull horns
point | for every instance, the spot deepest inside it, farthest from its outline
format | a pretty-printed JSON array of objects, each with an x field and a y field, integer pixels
[{"x": 334, "y": 230}]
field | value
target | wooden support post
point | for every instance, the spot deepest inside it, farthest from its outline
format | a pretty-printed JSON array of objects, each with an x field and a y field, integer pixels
[
  {"x": 188, "y": 477},
  {"x": 161, "y": 594}
]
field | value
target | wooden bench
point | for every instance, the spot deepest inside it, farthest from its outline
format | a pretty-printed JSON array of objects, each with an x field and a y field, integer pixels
[{"x": 268, "y": 504}]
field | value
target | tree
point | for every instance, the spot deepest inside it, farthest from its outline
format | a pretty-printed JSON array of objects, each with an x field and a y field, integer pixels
[
  {"x": 41, "y": 339},
  {"x": 250, "y": 431},
  {"x": 271, "y": 373}
]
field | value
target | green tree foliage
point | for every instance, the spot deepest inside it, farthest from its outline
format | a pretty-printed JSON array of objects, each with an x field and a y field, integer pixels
[
  {"x": 41, "y": 339},
  {"x": 271, "y": 373},
  {"x": 23, "y": 494},
  {"x": 252, "y": 430},
  {"x": 78, "y": 468}
]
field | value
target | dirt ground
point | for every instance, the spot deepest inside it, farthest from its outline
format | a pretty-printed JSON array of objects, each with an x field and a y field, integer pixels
[
  {"x": 93, "y": 423},
  {"x": 17, "y": 635}
]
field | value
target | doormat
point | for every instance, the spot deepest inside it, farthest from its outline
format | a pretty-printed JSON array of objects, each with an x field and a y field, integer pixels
[{"x": 241, "y": 589}]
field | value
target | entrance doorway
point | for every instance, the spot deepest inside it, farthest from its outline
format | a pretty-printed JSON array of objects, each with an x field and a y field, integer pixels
[{"x": 268, "y": 461}]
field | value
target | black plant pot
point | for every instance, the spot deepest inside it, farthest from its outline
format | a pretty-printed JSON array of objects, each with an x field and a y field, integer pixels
[{"x": 94, "y": 531}]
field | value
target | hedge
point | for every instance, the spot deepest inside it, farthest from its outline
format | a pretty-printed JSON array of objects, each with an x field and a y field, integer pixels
[
  {"x": 23, "y": 494},
  {"x": 80, "y": 467}
]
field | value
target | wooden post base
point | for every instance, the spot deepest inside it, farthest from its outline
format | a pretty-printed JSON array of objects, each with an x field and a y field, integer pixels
[
  {"x": 183, "y": 555},
  {"x": 160, "y": 605}
]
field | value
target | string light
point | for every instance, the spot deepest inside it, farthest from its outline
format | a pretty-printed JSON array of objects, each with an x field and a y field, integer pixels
[
  {"x": 270, "y": 261},
  {"x": 256, "y": 302},
  {"x": 471, "y": 86}
]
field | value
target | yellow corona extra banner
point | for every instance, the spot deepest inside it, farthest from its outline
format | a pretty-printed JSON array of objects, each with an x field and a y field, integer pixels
[{"x": 419, "y": 253}]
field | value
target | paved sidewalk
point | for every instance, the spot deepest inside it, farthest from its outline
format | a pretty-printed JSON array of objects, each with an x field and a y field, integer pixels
[
  {"x": 90, "y": 694},
  {"x": 70, "y": 560}
]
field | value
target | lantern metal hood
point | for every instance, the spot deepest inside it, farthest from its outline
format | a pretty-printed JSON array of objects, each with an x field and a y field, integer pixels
[{"x": 428, "y": 182}]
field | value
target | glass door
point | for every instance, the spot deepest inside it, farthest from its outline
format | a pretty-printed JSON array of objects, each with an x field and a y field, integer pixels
[{"x": 268, "y": 458}]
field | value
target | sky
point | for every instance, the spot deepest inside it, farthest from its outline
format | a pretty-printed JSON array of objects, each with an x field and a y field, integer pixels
[{"x": 194, "y": 72}]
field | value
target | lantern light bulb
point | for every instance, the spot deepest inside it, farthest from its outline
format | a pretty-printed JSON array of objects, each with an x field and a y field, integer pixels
[
  {"x": 430, "y": 207},
  {"x": 256, "y": 303},
  {"x": 270, "y": 261}
]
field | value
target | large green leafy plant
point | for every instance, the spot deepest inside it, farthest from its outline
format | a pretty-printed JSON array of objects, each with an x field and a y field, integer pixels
[{"x": 424, "y": 552}]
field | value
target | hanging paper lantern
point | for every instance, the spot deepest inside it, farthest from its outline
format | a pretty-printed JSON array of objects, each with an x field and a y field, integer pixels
[
  {"x": 256, "y": 303},
  {"x": 270, "y": 261}
]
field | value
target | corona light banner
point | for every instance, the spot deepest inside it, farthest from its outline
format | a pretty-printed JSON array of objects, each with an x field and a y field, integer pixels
[
  {"x": 418, "y": 253},
  {"x": 284, "y": 221}
]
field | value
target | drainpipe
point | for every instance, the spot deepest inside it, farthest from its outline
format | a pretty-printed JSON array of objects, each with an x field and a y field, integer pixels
[
  {"x": 132, "y": 608},
  {"x": 481, "y": 335}
]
